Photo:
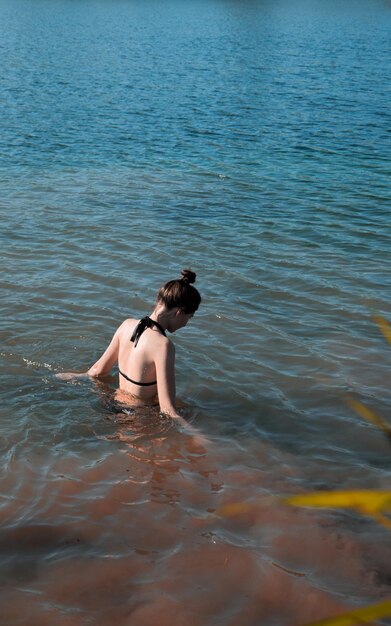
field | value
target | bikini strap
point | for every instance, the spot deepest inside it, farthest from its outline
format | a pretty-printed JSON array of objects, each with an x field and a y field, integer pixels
[{"x": 143, "y": 324}]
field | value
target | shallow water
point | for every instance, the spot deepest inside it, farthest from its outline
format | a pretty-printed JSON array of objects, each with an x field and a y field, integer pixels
[{"x": 250, "y": 142}]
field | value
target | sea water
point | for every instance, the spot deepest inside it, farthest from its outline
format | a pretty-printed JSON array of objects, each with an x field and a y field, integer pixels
[{"x": 249, "y": 141}]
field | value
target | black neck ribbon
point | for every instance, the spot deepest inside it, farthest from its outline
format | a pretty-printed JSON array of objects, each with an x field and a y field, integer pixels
[{"x": 143, "y": 324}]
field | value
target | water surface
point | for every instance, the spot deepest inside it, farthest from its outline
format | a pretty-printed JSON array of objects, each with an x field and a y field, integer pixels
[{"x": 250, "y": 142}]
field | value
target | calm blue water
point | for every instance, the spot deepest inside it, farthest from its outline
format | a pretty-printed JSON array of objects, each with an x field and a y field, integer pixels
[{"x": 251, "y": 142}]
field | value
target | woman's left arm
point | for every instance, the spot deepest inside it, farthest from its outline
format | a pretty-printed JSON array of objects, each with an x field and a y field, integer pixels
[
  {"x": 102, "y": 366},
  {"x": 110, "y": 356}
]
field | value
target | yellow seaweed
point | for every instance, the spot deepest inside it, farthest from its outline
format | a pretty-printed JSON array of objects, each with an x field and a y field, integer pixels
[
  {"x": 385, "y": 327},
  {"x": 366, "y": 500},
  {"x": 359, "y": 616},
  {"x": 369, "y": 415}
]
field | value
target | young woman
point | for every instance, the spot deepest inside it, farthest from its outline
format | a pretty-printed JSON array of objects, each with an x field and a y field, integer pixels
[{"x": 144, "y": 353}]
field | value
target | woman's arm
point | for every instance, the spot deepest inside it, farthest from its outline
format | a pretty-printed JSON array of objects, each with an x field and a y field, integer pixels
[
  {"x": 110, "y": 356},
  {"x": 165, "y": 376},
  {"x": 102, "y": 366}
]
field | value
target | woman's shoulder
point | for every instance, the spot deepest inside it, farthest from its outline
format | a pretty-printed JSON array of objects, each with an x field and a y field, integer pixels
[
  {"x": 125, "y": 331},
  {"x": 127, "y": 326}
]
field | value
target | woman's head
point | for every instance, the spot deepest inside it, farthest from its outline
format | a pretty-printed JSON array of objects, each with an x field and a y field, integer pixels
[{"x": 180, "y": 293}]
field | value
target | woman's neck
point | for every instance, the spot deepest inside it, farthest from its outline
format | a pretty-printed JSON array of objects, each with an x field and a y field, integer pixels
[{"x": 162, "y": 315}]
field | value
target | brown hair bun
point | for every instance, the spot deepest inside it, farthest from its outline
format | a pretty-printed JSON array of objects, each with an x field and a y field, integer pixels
[
  {"x": 188, "y": 277},
  {"x": 180, "y": 293}
]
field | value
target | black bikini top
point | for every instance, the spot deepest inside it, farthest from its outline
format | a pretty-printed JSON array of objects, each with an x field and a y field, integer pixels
[{"x": 143, "y": 324}]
